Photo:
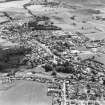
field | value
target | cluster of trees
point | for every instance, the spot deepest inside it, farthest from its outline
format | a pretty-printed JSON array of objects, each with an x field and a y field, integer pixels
[
  {"x": 11, "y": 58},
  {"x": 66, "y": 67},
  {"x": 47, "y": 24}
]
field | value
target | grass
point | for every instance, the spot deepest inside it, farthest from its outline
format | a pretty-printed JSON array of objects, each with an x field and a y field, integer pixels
[{"x": 25, "y": 92}]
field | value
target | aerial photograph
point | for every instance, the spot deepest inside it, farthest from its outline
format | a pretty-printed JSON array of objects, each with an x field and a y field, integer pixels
[{"x": 52, "y": 52}]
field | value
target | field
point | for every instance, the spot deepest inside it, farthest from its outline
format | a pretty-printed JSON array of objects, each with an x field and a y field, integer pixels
[{"x": 25, "y": 93}]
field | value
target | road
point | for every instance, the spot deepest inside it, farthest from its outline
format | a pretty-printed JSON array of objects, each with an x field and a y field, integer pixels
[{"x": 25, "y": 93}]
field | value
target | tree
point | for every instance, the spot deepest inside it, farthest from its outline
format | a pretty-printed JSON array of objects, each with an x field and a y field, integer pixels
[
  {"x": 48, "y": 67},
  {"x": 60, "y": 68},
  {"x": 54, "y": 73}
]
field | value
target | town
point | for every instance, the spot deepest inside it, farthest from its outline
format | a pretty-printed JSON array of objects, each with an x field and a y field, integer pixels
[
  {"x": 64, "y": 91},
  {"x": 57, "y": 52},
  {"x": 52, "y": 52}
]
